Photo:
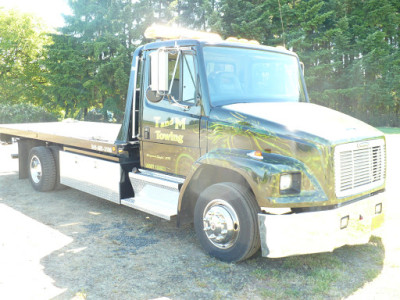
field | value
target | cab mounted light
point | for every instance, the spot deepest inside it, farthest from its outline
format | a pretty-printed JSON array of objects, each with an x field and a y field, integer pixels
[
  {"x": 175, "y": 33},
  {"x": 244, "y": 41},
  {"x": 171, "y": 33},
  {"x": 290, "y": 183}
]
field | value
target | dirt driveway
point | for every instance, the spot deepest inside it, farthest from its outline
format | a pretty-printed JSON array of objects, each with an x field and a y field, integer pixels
[{"x": 68, "y": 244}]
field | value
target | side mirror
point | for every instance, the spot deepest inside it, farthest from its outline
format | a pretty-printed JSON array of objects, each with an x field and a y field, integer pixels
[
  {"x": 302, "y": 67},
  {"x": 159, "y": 72}
]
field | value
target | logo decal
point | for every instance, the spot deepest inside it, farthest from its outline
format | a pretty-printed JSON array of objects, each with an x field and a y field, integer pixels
[
  {"x": 180, "y": 123},
  {"x": 169, "y": 137}
]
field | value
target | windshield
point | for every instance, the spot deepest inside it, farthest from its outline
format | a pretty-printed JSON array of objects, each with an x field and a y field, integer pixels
[{"x": 239, "y": 75}]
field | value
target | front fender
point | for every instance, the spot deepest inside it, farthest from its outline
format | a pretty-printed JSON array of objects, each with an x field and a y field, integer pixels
[{"x": 263, "y": 175}]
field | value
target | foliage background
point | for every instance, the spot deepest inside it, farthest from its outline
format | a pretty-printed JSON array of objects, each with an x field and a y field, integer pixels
[
  {"x": 350, "y": 49},
  {"x": 25, "y": 113}
]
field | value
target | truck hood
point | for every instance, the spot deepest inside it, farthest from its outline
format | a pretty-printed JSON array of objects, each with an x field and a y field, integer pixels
[{"x": 305, "y": 119}]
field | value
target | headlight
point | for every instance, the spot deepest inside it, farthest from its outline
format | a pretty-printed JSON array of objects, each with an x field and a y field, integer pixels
[
  {"x": 290, "y": 183},
  {"x": 286, "y": 182}
]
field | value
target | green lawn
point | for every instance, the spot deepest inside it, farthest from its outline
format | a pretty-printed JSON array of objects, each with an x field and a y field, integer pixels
[{"x": 389, "y": 130}]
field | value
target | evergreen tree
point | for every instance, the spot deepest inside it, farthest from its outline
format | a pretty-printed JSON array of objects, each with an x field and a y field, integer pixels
[
  {"x": 199, "y": 14},
  {"x": 68, "y": 70},
  {"x": 98, "y": 40}
]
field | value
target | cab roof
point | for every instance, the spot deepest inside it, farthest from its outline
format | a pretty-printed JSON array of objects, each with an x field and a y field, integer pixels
[{"x": 203, "y": 43}]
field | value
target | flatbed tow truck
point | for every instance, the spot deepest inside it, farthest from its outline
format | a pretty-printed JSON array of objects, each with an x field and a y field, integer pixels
[{"x": 221, "y": 133}]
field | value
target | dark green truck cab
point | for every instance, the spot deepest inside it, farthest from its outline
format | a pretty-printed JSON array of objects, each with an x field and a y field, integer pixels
[{"x": 222, "y": 134}]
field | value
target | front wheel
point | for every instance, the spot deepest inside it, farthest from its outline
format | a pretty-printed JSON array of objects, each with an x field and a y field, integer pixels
[{"x": 225, "y": 220}]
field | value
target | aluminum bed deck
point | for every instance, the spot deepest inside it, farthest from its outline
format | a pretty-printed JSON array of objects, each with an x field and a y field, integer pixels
[{"x": 87, "y": 135}]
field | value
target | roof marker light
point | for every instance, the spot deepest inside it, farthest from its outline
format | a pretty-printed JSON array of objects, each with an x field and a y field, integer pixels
[
  {"x": 175, "y": 33},
  {"x": 171, "y": 33},
  {"x": 244, "y": 41}
]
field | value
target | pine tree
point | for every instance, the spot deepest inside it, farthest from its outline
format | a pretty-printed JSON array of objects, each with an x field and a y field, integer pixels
[
  {"x": 68, "y": 70},
  {"x": 99, "y": 38}
]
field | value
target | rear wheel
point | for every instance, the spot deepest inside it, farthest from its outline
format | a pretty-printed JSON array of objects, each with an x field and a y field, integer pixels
[
  {"x": 225, "y": 220},
  {"x": 42, "y": 169}
]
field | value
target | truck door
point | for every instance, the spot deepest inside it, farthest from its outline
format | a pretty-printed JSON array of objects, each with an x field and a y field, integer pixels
[{"x": 170, "y": 128}]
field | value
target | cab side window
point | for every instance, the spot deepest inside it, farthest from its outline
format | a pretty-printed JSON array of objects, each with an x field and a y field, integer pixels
[
  {"x": 173, "y": 78},
  {"x": 183, "y": 78},
  {"x": 188, "y": 80}
]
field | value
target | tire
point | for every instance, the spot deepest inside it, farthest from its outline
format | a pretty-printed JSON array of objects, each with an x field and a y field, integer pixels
[
  {"x": 226, "y": 223},
  {"x": 42, "y": 169}
]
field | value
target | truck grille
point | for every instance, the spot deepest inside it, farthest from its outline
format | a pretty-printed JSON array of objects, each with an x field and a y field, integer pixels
[{"x": 359, "y": 167}]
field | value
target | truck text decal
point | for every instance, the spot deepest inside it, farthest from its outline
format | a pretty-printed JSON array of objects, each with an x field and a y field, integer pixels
[
  {"x": 101, "y": 148},
  {"x": 169, "y": 137},
  {"x": 180, "y": 123}
]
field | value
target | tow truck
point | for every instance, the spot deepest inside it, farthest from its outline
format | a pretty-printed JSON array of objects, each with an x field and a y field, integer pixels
[{"x": 221, "y": 133}]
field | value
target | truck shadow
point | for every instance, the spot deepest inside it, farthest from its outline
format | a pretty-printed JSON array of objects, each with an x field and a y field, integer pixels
[{"x": 119, "y": 253}]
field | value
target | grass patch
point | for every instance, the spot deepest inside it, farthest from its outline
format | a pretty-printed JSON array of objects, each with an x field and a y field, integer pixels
[
  {"x": 319, "y": 276},
  {"x": 310, "y": 262},
  {"x": 389, "y": 130},
  {"x": 260, "y": 274},
  {"x": 277, "y": 293},
  {"x": 322, "y": 280}
]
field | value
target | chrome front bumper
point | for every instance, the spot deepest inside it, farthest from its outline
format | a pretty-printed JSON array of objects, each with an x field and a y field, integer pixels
[{"x": 321, "y": 231}]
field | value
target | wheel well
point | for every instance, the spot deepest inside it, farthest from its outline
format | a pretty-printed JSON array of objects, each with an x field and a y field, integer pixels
[{"x": 204, "y": 177}]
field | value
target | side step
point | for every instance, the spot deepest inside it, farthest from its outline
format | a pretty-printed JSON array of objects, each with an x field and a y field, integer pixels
[{"x": 155, "y": 193}]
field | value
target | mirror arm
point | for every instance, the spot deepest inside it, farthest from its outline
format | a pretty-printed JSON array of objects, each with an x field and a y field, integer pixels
[
  {"x": 172, "y": 100},
  {"x": 173, "y": 74}
]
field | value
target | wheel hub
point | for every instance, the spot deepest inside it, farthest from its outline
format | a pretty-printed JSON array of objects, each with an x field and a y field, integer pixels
[
  {"x": 36, "y": 169},
  {"x": 221, "y": 224}
]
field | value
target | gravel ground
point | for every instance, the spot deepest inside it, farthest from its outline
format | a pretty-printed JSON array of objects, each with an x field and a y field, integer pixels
[{"x": 71, "y": 245}]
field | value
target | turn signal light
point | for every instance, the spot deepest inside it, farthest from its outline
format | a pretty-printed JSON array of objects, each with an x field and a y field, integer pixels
[
  {"x": 258, "y": 153},
  {"x": 255, "y": 154}
]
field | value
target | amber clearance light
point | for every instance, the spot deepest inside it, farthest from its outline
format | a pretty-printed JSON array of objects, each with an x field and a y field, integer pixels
[
  {"x": 175, "y": 33},
  {"x": 171, "y": 33}
]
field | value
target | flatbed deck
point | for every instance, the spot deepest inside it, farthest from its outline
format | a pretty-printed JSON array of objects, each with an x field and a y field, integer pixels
[{"x": 87, "y": 135}]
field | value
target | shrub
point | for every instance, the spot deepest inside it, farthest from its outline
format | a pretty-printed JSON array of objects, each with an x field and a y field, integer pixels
[{"x": 24, "y": 113}]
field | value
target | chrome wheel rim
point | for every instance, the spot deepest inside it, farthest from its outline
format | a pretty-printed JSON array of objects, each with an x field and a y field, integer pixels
[
  {"x": 36, "y": 169},
  {"x": 221, "y": 224}
]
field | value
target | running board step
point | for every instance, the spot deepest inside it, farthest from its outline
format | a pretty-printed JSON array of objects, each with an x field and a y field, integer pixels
[{"x": 155, "y": 193}]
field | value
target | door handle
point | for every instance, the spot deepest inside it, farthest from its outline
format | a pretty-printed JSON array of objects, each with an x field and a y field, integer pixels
[{"x": 147, "y": 133}]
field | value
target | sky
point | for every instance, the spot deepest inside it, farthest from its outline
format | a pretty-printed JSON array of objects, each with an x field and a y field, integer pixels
[{"x": 50, "y": 11}]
